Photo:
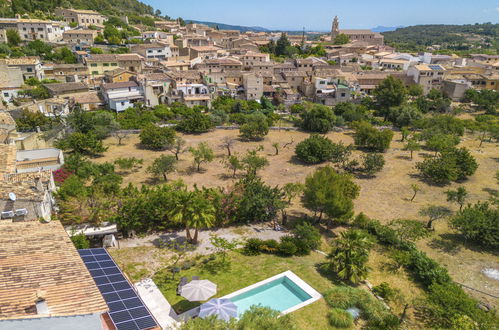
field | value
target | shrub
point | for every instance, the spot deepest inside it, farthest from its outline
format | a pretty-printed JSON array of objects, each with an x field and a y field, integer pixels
[
  {"x": 319, "y": 119},
  {"x": 427, "y": 270},
  {"x": 195, "y": 122},
  {"x": 373, "y": 163},
  {"x": 479, "y": 223},
  {"x": 269, "y": 246},
  {"x": 315, "y": 149},
  {"x": 156, "y": 138},
  {"x": 369, "y": 137},
  {"x": 340, "y": 318},
  {"x": 447, "y": 301},
  {"x": 252, "y": 247},
  {"x": 343, "y": 297},
  {"x": 451, "y": 165},
  {"x": 385, "y": 291},
  {"x": 80, "y": 241},
  {"x": 373, "y": 311},
  {"x": 287, "y": 247},
  {"x": 307, "y": 238},
  {"x": 255, "y": 128}
]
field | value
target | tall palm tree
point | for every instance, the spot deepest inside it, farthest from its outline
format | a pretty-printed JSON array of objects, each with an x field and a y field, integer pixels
[
  {"x": 349, "y": 255},
  {"x": 179, "y": 213},
  {"x": 201, "y": 214},
  {"x": 193, "y": 210}
]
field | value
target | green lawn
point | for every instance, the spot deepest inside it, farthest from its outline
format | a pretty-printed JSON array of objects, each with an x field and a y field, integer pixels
[{"x": 246, "y": 270}]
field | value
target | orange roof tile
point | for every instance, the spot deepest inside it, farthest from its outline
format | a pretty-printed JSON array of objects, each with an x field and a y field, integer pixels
[{"x": 40, "y": 256}]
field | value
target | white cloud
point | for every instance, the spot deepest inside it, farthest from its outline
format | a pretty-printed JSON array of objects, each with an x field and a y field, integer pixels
[{"x": 497, "y": 9}]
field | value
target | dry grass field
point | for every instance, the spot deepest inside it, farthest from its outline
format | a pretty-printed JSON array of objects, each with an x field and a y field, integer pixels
[{"x": 385, "y": 197}]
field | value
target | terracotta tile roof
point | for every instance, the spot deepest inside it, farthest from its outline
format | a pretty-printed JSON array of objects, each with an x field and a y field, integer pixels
[
  {"x": 6, "y": 118},
  {"x": 80, "y": 32},
  {"x": 66, "y": 87},
  {"x": 26, "y": 60},
  {"x": 101, "y": 57},
  {"x": 123, "y": 84},
  {"x": 45, "y": 176},
  {"x": 205, "y": 48},
  {"x": 7, "y": 159},
  {"x": 87, "y": 97},
  {"x": 40, "y": 257},
  {"x": 130, "y": 57}
]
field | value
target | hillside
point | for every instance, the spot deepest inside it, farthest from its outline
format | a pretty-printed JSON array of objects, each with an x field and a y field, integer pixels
[
  {"x": 108, "y": 7},
  {"x": 223, "y": 26},
  {"x": 452, "y": 37}
]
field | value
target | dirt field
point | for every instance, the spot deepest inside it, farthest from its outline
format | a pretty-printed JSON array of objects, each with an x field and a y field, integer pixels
[{"x": 385, "y": 197}]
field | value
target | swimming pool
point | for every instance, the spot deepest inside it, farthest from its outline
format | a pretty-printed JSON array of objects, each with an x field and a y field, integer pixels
[{"x": 284, "y": 292}]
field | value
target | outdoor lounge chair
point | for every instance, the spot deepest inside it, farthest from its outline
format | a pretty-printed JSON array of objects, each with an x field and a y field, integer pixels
[{"x": 183, "y": 281}]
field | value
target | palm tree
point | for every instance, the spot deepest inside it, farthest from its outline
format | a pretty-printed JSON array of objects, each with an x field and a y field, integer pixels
[
  {"x": 194, "y": 211},
  {"x": 349, "y": 255},
  {"x": 201, "y": 214},
  {"x": 179, "y": 213}
]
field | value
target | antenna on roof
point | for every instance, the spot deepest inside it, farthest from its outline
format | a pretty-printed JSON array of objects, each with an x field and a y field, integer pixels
[{"x": 12, "y": 196}]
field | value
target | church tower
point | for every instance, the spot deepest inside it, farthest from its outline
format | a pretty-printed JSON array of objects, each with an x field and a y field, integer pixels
[{"x": 335, "y": 30}]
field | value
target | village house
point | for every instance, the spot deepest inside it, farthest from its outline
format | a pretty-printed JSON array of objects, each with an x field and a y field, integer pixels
[
  {"x": 160, "y": 36},
  {"x": 156, "y": 87},
  {"x": 66, "y": 88},
  {"x": 253, "y": 86},
  {"x": 330, "y": 91},
  {"x": 203, "y": 52},
  {"x": 118, "y": 75},
  {"x": 122, "y": 95},
  {"x": 79, "y": 36},
  {"x": 52, "y": 107},
  {"x": 191, "y": 94},
  {"x": 251, "y": 58},
  {"x": 152, "y": 50},
  {"x": 31, "y": 66},
  {"x": 99, "y": 64},
  {"x": 70, "y": 72},
  {"x": 429, "y": 76},
  {"x": 38, "y": 160},
  {"x": 88, "y": 101},
  {"x": 11, "y": 80},
  {"x": 81, "y": 17},
  {"x": 36, "y": 29}
]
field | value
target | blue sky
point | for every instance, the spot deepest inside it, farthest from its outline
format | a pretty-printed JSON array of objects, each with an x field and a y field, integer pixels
[{"x": 317, "y": 14}]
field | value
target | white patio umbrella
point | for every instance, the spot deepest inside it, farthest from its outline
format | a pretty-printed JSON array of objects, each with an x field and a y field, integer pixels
[
  {"x": 198, "y": 290},
  {"x": 224, "y": 309}
]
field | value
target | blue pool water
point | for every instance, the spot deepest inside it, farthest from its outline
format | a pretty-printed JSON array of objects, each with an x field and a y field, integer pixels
[{"x": 280, "y": 295}]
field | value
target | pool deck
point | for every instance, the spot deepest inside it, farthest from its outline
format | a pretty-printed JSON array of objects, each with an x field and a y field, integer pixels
[
  {"x": 289, "y": 274},
  {"x": 293, "y": 277}
]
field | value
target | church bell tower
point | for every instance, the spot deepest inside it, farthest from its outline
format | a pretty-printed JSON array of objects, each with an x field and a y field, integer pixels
[{"x": 335, "y": 30}]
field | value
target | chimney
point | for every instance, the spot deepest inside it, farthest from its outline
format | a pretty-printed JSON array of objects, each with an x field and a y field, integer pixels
[{"x": 41, "y": 305}]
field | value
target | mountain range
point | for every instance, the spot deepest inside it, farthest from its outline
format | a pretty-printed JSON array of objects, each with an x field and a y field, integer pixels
[{"x": 223, "y": 26}]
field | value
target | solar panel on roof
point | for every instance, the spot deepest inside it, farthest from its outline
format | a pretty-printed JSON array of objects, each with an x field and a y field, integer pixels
[
  {"x": 126, "y": 309},
  {"x": 435, "y": 67}
]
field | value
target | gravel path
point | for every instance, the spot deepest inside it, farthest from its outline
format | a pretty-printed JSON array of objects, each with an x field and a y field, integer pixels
[{"x": 262, "y": 231}]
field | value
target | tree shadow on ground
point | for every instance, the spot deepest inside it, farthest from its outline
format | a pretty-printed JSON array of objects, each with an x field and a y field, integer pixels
[
  {"x": 460, "y": 241},
  {"x": 185, "y": 305},
  {"x": 214, "y": 265},
  {"x": 296, "y": 161},
  {"x": 173, "y": 240},
  {"x": 152, "y": 181},
  {"x": 445, "y": 245},
  {"x": 322, "y": 269},
  {"x": 403, "y": 157}
]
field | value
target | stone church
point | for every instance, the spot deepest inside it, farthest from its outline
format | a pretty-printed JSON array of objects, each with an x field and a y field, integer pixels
[{"x": 368, "y": 36}]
